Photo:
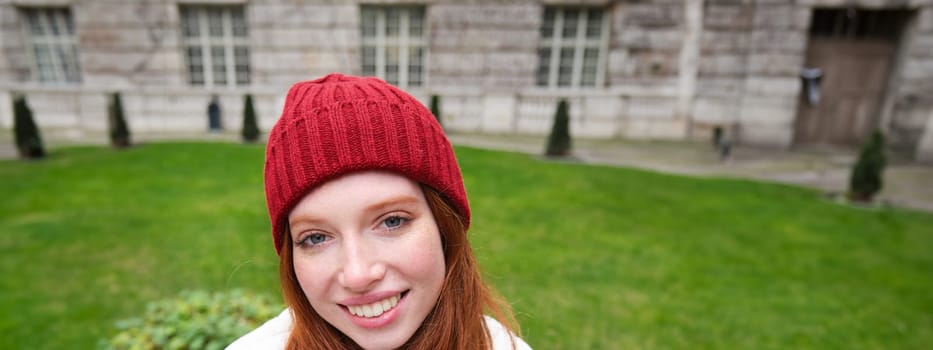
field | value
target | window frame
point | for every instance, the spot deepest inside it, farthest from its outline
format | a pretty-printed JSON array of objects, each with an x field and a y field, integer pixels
[
  {"x": 203, "y": 41},
  {"x": 579, "y": 43},
  {"x": 403, "y": 40},
  {"x": 59, "y": 45}
]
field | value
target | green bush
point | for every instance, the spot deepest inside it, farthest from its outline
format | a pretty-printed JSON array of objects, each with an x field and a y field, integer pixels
[
  {"x": 119, "y": 132},
  {"x": 865, "y": 180},
  {"x": 250, "y": 127},
  {"x": 436, "y": 108},
  {"x": 25, "y": 131},
  {"x": 558, "y": 143},
  {"x": 195, "y": 320}
]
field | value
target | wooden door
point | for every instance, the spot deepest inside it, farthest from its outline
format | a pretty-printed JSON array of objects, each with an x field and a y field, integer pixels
[
  {"x": 855, "y": 74},
  {"x": 854, "y": 49}
]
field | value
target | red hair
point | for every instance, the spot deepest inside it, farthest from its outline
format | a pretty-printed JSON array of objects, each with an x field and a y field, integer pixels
[{"x": 456, "y": 322}]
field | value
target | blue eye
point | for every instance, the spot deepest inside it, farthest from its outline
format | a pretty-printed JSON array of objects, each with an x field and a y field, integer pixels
[
  {"x": 314, "y": 239},
  {"x": 394, "y": 221}
]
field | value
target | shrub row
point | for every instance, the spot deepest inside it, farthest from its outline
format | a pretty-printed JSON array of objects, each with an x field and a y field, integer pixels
[{"x": 29, "y": 140}]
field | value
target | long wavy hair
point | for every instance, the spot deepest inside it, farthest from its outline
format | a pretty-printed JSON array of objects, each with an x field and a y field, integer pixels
[{"x": 456, "y": 322}]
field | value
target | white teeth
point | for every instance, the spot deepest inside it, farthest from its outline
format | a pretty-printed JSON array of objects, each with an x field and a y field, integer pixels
[
  {"x": 374, "y": 309},
  {"x": 386, "y": 305},
  {"x": 367, "y": 310}
]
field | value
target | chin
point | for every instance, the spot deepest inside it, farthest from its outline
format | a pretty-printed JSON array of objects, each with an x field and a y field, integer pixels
[{"x": 380, "y": 344}]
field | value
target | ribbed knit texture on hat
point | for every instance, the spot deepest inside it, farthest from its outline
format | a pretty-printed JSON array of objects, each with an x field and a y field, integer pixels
[{"x": 340, "y": 124}]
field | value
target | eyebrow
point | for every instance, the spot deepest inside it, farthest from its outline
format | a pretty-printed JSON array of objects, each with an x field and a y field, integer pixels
[
  {"x": 401, "y": 200},
  {"x": 377, "y": 206}
]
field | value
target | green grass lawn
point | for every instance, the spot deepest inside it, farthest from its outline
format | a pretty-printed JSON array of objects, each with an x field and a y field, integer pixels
[{"x": 590, "y": 257}]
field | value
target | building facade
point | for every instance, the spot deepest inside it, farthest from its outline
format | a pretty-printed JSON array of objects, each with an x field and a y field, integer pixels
[{"x": 666, "y": 69}]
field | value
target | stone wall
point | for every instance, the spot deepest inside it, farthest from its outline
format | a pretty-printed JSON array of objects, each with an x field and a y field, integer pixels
[
  {"x": 301, "y": 40},
  {"x": 135, "y": 44},
  {"x": 913, "y": 98},
  {"x": 644, "y": 67},
  {"x": 135, "y": 50},
  {"x": 14, "y": 62},
  {"x": 674, "y": 68},
  {"x": 750, "y": 58},
  {"x": 485, "y": 47}
]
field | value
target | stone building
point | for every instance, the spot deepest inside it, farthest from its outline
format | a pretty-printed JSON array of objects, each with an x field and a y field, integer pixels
[{"x": 667, "y": 69}]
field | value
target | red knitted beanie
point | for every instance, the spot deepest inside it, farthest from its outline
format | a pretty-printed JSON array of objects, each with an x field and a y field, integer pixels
[{"x": 340, "y": 124}]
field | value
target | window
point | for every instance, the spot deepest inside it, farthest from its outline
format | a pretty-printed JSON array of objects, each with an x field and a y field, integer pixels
[
  {"x": 216, "y": 44},
  {"x": 572, "y": 48},
  {"x": 393, "y": 44},
  {"x": 51, "y": 38}
]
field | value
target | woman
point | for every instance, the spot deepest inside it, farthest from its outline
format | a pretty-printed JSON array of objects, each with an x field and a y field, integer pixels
[{"x": 369, "y": 218}]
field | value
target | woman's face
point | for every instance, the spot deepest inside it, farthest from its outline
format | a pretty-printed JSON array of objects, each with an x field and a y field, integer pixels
[{"x": 368, "y": 256}]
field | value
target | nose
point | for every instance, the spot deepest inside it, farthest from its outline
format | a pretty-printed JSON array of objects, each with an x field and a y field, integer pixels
[{"x": 362, "y": 268}]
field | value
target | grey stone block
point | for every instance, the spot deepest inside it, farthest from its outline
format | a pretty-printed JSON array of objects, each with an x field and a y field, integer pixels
[
  {"x": 722, "y": 65},
  {"x": 667, "y": 129},
  {"x": 775, "y": 64},
  {"x": 728, "y": 16},
  {"x": 458, "y": 62},
  {"x": 924, "y": 151},
  {"x": 103, "y": 62},
  {"x": 301, "y": 14},
  {"x": 769, "y": 135},
  {"x": 874, "y": 4},
  {"x": 498, "y": 113},
  {"x": 650, "y": 108},
  {"x": 619, "y": 63},
  {"x": 120, "y": 14},
  {"x": 495, "y": 15},
  {"x": 724, "y": 87},
  {"x": 719, "y": 41},
  {"x": 462, "y": 113},
  {"x": 507, "y": 82},
  {"x": 307, "y": 38},
  {"x": 920, "y": 46},
  {"x": 662, "y": 39},
  {"x": 779, "y": 41},
  {"x": 9, "y": 16},
  {"x": 714, "y": 110},
  {"x": 280, "y": 60},
  {"x": 653, "y": 15},
  {"x": 768, "y": 110},
  {"x": 126, "y": 38},
  {"x": 916, "y": 68},
  {"x": 925, "y": 20},
  {"x": 511, "y": 61},
  {"x": 772, "y": 86},
  {"x": 782, "y": 16},
  {"x": 461, "y": 81},
  {"x": 653, "y": 64},
  {"x": 484, "y": 39}
]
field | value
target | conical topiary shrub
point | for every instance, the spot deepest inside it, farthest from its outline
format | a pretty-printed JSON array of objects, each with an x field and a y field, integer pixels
[
  {"x": 250, "y": 127},
  {"x": 558, "y": 143},
  {"x": 436, "y": 108},
  {"x": 25, "y": 131},
  {"x": 119, "y": 132},
  {"x": 866, "y": 181}
]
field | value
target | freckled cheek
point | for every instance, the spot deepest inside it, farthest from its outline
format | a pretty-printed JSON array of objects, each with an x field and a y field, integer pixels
[
  {"x": 313, "y": 277},
  {"x": 425, "y": 259}
]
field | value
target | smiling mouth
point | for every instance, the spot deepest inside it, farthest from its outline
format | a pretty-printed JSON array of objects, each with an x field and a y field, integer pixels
[{"x": 377, "y": 308}]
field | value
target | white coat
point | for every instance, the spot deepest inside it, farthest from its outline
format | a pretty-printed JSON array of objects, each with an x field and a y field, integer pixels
[{"x": 273, "y": 335}]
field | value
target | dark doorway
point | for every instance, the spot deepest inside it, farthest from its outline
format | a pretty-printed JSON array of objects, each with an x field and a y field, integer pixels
[{"x": 853, "y": 51}]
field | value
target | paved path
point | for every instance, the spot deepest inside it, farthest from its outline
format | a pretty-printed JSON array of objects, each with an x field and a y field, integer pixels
[{"x": 906, "y": 183}]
